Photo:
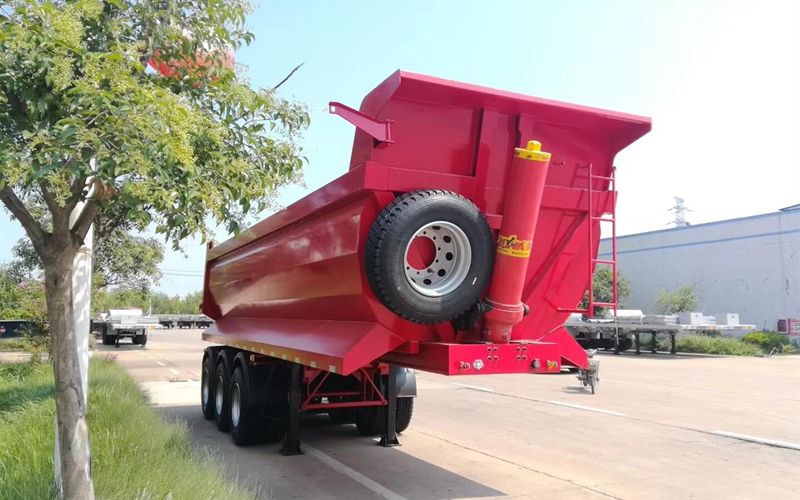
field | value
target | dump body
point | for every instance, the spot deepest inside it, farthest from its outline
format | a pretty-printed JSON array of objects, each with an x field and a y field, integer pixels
[{"x": 294, "y": 286}]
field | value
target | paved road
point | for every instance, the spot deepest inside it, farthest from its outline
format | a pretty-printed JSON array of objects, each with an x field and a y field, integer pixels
[{"x": 654, "y": 430}]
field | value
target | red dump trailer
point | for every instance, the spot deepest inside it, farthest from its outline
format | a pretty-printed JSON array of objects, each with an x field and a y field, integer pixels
[{"x": 459, "y": 241}]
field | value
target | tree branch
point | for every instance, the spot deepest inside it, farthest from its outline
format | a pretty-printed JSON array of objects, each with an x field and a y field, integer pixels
[
  {"x": 85, "y": 219},
  {"x": 21, "y": 213},
  {"x": 60, "y": 214},
  {"x": 287, "y": 76}
]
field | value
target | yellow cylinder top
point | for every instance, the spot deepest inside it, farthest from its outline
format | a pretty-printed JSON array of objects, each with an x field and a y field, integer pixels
[{"x": 533, "y": 151}]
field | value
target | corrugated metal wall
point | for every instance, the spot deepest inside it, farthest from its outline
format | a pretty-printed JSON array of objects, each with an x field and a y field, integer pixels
[{"x": 749, "y": 266}]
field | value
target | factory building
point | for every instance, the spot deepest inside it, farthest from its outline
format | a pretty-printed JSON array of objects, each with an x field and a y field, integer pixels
[{"x": 749, "y": 266}]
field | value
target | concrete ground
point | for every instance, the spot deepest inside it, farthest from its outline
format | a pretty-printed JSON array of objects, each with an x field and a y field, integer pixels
[{"x": 659, "y": 427}]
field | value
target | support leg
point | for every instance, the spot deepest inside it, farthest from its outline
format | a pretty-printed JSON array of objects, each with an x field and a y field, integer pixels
[
  {"x": 616, "y": 341},
  {"x": 653, "y": 339},
  {"x": 389, "y": 435},
  {"x": 638, "y": 344},
  {"x": 674, "y": 349},
  {"x": 291, "y": 443},
  {"x": 116, "y": 341}
]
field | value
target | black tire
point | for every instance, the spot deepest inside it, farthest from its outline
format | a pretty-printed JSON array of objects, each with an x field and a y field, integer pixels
[
  {"x": 385, "y": 255},
  {"x": 207, "y": 388},
  {"x": 245, "y": 420},
  {"x": 273, "y": 427},
  {"x": 222, "y": 398},
  {"x": 341, "y": 416},
  {"x": 369, "y": 420},
  {"x": 136, "y": 340},
  {"x": 625, "y": 344},
  {"x": 405, "y": 407},
  {"x": 143, "y": 341},
  {"x": 108, "y": 339}
]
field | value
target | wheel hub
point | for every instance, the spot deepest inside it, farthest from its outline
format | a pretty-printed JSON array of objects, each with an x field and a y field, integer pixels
[
  {"x": 236, "y": 403},
  {"x": 437, "y": 258},
  {"x": 218, "y": 396},
  {"x": 205, "y": 390}
]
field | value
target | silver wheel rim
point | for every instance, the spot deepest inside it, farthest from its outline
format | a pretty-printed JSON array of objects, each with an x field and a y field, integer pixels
[
  {"x": 204, "y": 390},
  {"x": 236, "y": 401},
  {"x": 450, "y": 264},
  {"x": 218, "y": 396}
]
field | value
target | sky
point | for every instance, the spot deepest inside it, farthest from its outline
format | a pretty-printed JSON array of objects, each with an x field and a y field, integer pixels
[{"x": 720, "y": 79}]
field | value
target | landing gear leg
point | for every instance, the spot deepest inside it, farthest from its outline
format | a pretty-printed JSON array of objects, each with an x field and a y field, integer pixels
[
  {"x": 291, "y": 443},
  {"x": 389, "y": 433}
]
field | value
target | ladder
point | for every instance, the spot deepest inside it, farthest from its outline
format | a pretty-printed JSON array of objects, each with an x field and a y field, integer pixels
[{"x": 612, "y": 219}]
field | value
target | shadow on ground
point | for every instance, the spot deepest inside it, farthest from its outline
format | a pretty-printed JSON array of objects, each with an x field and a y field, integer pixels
[{"x": 263, "y": 469}]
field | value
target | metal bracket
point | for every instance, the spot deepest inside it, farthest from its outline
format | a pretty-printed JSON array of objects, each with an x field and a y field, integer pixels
[{"x": 380, "y": 130}]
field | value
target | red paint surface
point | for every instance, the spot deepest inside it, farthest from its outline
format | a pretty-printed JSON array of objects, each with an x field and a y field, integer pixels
[{"x": 303, "y": 267}]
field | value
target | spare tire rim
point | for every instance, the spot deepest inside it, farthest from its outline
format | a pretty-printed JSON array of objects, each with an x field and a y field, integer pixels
[{"x": 449, "y": 266}]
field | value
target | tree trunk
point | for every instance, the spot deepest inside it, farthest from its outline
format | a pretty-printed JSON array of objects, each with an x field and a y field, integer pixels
[{"x": 73, "y": 433}]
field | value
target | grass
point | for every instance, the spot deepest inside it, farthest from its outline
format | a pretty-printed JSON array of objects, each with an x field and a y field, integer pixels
[
  {"x": 136, "y": 455},
  {"x": 15, "y": 344},
  {"x": 701, "y": 344}
]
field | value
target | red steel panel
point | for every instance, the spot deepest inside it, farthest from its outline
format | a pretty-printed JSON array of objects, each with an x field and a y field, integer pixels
[{"x": 304, "y": 266}]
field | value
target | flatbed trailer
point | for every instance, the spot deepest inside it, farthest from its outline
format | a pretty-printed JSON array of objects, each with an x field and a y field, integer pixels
[
  {"x": 117, "y": 324},
  {"x": 457, "y": 243},
  {"x": 623, "y": 335},
  {"x": 184, "y": 320}
]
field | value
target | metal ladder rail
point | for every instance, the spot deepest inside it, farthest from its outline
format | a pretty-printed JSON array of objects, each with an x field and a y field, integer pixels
[{"x": 589, "y": 311}]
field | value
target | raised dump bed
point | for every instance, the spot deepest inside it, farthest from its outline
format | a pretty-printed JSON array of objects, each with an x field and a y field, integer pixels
[{"x": 455, "y": 244}]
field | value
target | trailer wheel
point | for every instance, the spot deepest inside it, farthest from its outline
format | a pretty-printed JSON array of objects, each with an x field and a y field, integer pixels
[
  {"x": 143, "y": 340},
  {"x": 222, "y": 398},
  {"x": 136, "y": 340},
  {"x": 207, "y": 388},
  {"x": 273, "y": 428},
  {"x": 405, "y": 407},
  {"x": 108, "y": 339},
  {"x": 340, "y": 415},
  {"x": 369, "y": 420},
  {"x": 245, "y": 420},
  {"x": 429, "y": 256}
]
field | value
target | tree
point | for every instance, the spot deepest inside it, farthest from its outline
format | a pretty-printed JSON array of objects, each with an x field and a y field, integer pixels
[
  {"x": 603, "y": 287},
  {"x": 120, "y": 257},
  {"x": 84, "y": 124},
  {"x": 682, "y": 299}
]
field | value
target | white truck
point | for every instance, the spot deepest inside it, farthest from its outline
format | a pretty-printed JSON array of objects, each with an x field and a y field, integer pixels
[{"x": 128, "y": 322}]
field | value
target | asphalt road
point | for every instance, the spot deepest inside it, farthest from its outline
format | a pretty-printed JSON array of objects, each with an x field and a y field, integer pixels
[{"x": 659, "y": 427}]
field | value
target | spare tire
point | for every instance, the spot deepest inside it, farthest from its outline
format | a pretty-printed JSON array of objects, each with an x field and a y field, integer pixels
[{"x": 429, "y": 255}]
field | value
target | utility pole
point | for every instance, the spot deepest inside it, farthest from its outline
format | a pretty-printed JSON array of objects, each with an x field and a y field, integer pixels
[{"x": 680, "y": 213}]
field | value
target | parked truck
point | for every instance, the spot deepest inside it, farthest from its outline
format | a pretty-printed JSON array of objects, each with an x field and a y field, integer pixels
[
  {"x": 116, "y": 324},
  {"x": 458, "y": 242}
]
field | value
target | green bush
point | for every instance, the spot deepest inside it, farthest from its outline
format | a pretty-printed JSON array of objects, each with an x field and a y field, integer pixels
[
  {"x": 767, "y": 340},
  {"x": 711, "y": 345},
  {"x": 135, "y": 453}
]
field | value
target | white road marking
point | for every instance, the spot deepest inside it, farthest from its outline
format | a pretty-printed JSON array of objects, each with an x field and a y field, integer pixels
[
  {"x": 159, "y": 363},
  {"x": 351, "y": 473},
  {"x": 173, "y": 370},
  {"x": 474, "y": 387},
  {"x": 587, "y": 408},
  {"x": 770, "y": 442}
]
